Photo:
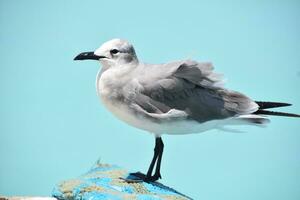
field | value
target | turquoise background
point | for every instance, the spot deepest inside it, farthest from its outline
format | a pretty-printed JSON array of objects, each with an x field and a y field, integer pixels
[{"x": 53, "y": 126}]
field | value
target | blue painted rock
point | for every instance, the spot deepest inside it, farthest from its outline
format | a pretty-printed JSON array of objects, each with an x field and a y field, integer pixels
[{"x": 105, "y": 181}]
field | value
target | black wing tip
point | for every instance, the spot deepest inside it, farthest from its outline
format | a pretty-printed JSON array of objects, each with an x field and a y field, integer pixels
[
  {"x": 266, "y": 104},
  {"x": 283, "y": 114}
]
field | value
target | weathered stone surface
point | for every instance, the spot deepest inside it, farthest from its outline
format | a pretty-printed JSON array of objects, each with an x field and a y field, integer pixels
[
  {"x": 26, "y": 198},
  {"x": 105, "y": 181}
]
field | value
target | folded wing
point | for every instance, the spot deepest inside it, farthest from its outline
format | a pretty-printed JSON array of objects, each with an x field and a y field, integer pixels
[{"x": 191, "y": 88}]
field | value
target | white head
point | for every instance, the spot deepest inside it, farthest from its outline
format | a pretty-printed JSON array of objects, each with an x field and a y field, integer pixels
[{"x": 112, "y": 53}]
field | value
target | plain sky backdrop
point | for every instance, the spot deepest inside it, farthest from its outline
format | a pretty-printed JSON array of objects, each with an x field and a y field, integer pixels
[{"x": 53, "y": 126}]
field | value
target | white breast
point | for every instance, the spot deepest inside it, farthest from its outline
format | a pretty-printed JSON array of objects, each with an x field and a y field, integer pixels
[{"x": 109, "y": 84}]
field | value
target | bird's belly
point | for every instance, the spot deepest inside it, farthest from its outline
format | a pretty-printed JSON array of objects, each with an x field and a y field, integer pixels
[
  {"x": 125, "y": 114},
  {"x": 184, "y": 126}
]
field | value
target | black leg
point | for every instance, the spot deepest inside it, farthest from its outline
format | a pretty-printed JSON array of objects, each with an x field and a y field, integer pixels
[
  {"x": 155, "y": 156},
  {"x": 157, "y": 169},
  {"x": 158, "y": 151}
]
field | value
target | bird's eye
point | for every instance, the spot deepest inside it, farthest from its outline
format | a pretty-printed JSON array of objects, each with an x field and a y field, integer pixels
[{"x": 114, "y": 51}]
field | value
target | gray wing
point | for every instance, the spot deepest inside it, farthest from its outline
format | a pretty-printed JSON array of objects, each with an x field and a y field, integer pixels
[{"x": 191, "y": 88}]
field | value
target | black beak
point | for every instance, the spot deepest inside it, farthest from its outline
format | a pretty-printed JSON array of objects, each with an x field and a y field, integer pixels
[{"x": 88, "y": 56}]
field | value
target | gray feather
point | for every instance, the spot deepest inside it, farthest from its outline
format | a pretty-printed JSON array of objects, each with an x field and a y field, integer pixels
[{"x": 191, "y": 87}]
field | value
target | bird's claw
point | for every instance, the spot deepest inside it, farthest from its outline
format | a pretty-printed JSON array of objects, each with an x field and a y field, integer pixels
[
  {"x": 153, "y": 178},
  {"x": 140, "y": 177}
]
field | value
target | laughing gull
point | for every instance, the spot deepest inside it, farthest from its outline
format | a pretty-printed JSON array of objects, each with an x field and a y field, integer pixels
[{"x": 179, "y": 97}]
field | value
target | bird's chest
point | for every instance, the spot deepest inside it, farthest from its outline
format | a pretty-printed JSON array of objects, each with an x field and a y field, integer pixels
[
  {"x": 109, "y": 84},
  {"x": 115, "y": 93},
  {"x": 115, "y": 83}
]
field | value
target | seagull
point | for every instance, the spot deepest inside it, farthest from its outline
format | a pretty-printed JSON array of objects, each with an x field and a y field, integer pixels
[{"x": 179, "y": 97}]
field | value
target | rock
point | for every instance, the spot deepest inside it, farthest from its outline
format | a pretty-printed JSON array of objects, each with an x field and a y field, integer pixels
[
  {"x": 26, "y": 198},
  {"x": 105, "y": 181}
]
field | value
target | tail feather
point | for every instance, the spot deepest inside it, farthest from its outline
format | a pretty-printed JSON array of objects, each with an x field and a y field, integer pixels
[
  {"x": 266, "y": 105},
  {"x": 267, "y": 112}
]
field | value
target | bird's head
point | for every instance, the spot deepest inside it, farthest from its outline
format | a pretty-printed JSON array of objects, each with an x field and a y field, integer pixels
[{"x": 112, "y": 53}]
